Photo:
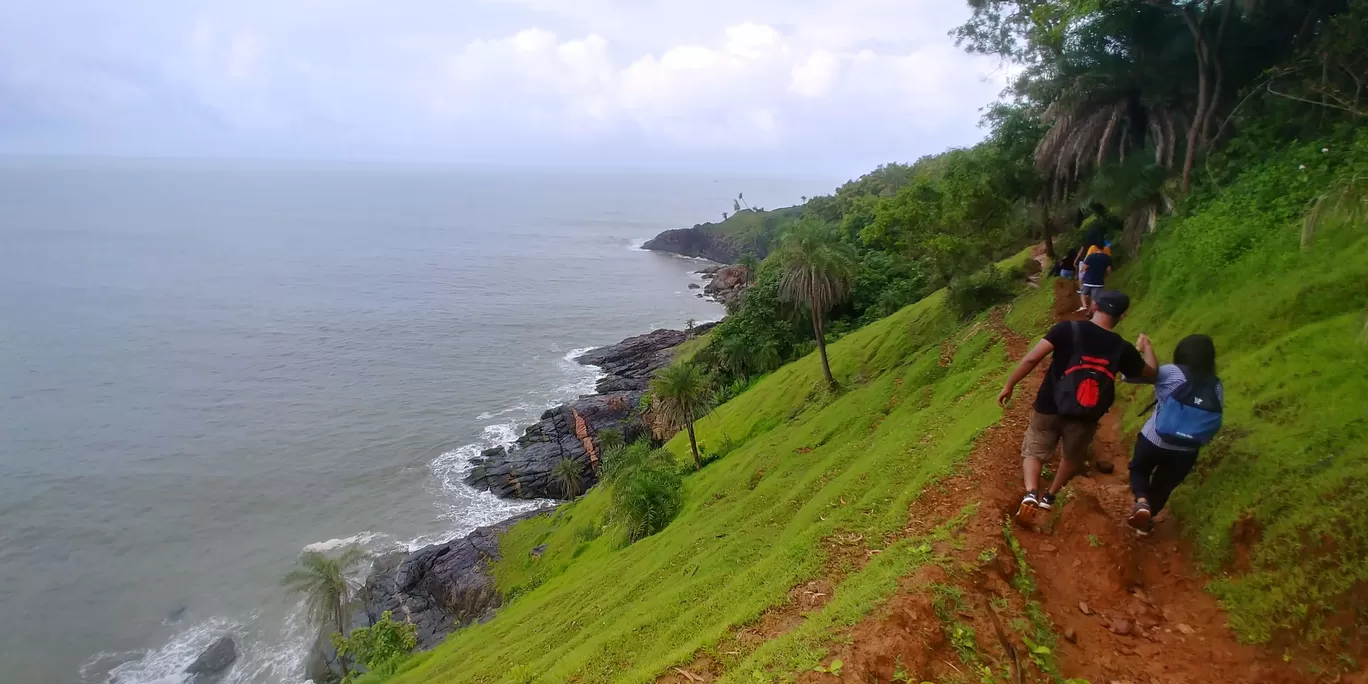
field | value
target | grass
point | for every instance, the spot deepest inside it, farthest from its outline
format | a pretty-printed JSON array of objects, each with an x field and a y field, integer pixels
[
  {"x": 807, "y": 464},
  {"x": 1289, "y": 472}
]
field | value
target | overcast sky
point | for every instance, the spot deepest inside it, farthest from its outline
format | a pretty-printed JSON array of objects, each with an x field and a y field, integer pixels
[{"x": 813, "y": 86}]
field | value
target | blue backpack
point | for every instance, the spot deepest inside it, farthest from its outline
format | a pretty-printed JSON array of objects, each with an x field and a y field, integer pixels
[{"x": 1191, "y": 415}]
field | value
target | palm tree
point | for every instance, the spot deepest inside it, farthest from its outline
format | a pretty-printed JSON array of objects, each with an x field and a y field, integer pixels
[
  {"x": 818, "y": 271},
  {"x": 569, "y": 475},
  {"x": 325, "y": 585},
  {"x": 681, "y": 392}
]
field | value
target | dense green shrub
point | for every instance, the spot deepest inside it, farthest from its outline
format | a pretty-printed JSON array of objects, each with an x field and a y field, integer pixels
[
  {"x": 647, "y": 490},
  {"x": 378, "y": 648},
  {"x": 968, "y": 295}
]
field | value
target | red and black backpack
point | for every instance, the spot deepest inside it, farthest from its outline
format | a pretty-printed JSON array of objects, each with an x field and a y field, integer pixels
[{"x": 1088, "y": 386}]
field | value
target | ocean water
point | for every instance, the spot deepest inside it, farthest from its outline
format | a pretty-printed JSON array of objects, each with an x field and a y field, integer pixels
[{"x": 205, "y": 369}]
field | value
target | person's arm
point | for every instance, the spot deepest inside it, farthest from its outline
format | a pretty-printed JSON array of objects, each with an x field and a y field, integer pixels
[
  {"x": 1151, "y": 371},
  {"x": 1023, "y": 369}
]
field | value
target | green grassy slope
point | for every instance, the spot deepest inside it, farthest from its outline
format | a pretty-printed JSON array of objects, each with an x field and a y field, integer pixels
[
  {"x": 1289, "y": 329},
  {"x": 753, "y": 231},
  {"x": 802, "y": 465}
]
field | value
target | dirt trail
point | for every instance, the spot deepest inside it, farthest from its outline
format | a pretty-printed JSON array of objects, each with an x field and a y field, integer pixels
[
  {"x": 1127, "y": 610},
  {"x": 1130, "y": 610}
]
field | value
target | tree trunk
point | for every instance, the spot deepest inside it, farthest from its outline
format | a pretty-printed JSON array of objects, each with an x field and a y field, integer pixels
[
  {"x": 693, "y": 441},
  {"x": 821, "y": 348},
  {"x": 1045, "y": 231}
]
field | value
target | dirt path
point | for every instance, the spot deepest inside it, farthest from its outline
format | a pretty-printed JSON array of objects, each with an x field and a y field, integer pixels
[
  {"x": 1127, "y": 610},
  {"x": 1130, "y": 610}
]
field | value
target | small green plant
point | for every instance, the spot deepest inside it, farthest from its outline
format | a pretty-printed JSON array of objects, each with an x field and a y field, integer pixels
[
  {"x": 568, "y": 474},
  {"x": 1095, "y": 541},
  {"x": 834, "y": 669},
  {"x": 900, "y": 671},
  {"x": 379, "y": 648}
]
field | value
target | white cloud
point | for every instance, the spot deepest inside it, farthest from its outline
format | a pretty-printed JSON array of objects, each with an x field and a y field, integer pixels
[
  {"x": 472, "y": 79},
  {"x": 749, "y": 88},
  {"x": 814, "y": 77}
]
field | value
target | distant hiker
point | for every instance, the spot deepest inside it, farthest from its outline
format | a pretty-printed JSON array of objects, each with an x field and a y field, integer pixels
[
  {"x": 1078, "y": 388},
  {"x": 1064, "y": 267},
  {"x": 1094, "y": 271},
  {"x": 1188, "y": 403}
]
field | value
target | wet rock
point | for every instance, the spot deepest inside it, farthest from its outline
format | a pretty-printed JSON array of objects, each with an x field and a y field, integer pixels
[
  {"x": 440, "y": 588},
  {"x": 537, "y": 551},
  {"x": 698, "y": 242},
  {"x": 214, "y": 659},
  {"x": 728, "y": 284},
  {"x": 524, "y": 470},
  {"x": 694, "y": 286}
]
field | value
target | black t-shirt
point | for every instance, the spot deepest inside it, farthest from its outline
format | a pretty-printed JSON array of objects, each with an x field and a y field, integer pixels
[
  {"x": 1097, "y": 341},
  {"x": 1097, "y": 264}
]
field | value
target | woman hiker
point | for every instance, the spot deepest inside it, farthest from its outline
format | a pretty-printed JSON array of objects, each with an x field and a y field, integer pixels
[{"x": 1188, "y": 401}]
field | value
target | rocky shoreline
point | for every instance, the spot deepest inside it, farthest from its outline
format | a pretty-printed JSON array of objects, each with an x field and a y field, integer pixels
[{"x": 444, "y": 587}]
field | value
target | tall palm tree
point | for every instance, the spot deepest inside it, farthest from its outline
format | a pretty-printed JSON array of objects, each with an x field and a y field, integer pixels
[
  {"x": 681, "y": 393},
  {"x": 818, "y": 271},
  {"x": 325, "y": 585}
]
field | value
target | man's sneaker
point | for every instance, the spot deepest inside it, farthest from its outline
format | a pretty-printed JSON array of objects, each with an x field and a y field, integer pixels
[
  {"x": 1140, "y": 517},
  {"x": 1146, "y": 530},
  {"x": 1029, "y": 505},
  {"x": 1046, "y": 501}
]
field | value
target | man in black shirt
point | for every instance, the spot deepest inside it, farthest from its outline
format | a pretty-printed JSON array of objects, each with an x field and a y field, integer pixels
[
  {"x": 1095, "y": 269},
  {"x": 1092, "y": 346}
]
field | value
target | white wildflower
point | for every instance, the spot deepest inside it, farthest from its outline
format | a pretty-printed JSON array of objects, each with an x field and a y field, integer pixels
[
  {"x": 1301, "y": 167},
  {"x": 1324, "y": 150}
]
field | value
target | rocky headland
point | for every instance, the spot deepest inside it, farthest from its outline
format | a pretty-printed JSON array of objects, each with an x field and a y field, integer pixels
[{"x": 444, "y": 587}]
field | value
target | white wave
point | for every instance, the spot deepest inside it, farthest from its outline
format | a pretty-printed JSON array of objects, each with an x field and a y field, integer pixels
[
  {"x": 583, "y": 378},
  {"x": 465, "y": 506},
  {"x": 266, "y": 654},
  {"x": 362, "y": 539},
  {"x": 639, "y": 245}
]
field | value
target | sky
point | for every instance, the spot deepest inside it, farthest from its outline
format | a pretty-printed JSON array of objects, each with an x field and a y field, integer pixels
[{"x": 817, "y": 86}]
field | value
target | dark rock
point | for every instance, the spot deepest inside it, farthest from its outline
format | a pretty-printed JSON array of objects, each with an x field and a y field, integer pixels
[
  {"x": 728, "y": 284},
  {"x": 523, "y": 470},
  {"x": 439, "y": 588},
  {"x": 537, "y": 551},
  {"x": 697, "y": 242},
  {"x": 694, "y": 286},
  {"x": 214, "y": 659}
]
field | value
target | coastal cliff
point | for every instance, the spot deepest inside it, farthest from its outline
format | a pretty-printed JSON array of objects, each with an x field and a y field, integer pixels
[
  {"x": 524, "y": 470},
  {"x": 695, "y": 242}
]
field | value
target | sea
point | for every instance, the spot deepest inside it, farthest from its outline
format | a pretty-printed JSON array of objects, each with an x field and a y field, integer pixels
[{"x": 207, "y": 368}]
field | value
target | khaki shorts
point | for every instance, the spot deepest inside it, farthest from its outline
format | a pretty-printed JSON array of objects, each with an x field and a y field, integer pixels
[{"x": 1046, "y": 431}]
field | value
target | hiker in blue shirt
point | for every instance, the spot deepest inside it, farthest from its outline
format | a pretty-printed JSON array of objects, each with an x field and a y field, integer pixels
[
  {"x": 1188, "y": 403},
  {"x": 1094, "y": 270}
]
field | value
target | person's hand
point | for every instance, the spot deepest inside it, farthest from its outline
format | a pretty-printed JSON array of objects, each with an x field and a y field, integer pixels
[
  {"x": 1005, "y": 396},
  {"x": 1143, "y": 342}
]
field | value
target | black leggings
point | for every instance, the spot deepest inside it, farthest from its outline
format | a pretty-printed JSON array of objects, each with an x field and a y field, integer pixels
[{"x": 1155, "y": 471}]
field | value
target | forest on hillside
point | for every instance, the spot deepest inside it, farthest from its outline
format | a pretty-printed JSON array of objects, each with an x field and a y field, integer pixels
[{"x": 1123, "y": 113}]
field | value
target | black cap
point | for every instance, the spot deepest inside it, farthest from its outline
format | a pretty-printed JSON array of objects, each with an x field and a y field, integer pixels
[{"x": 1111, "y": 302}]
